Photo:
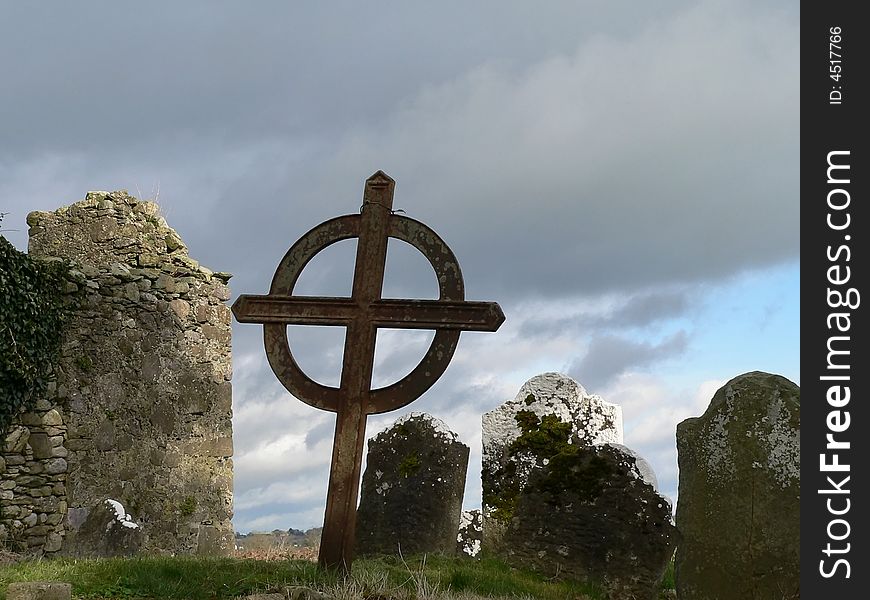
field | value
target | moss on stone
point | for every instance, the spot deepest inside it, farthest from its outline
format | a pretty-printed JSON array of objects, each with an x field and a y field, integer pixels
[
  {"x": 584, "y": 476},
  {"x": 542, "y": 437},
  {"x": 187, "y": 506},
  {"x": 400, "y": 430},
  {"x": 410, "y": 465}
]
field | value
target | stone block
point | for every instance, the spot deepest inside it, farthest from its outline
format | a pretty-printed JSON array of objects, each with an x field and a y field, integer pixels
[
  {"x": 41, "y": 445},
  {"x": 52, "y": 418},
  {"x": 213, "y": 540},
  {"x": 55, "y": 466},
  {"x": 216, "y": 333},
  {"x": 39, "y": 590},
  {"x": 180, "y": 308},
  {"x": 132, "y": 291},
  {"x": 148, "y": 260},
  {"x": 31, "y": 419}
]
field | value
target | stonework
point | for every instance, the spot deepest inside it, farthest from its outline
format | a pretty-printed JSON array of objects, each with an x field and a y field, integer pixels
[
  {"x": 33, "y": 475},
  {"x": 412, "y": 489},
  {"x": 142, "y": 404},
  {"x": 550, "y": 411},
  {"x": 589, "y": 515},
  {"x": 740, "y": 465}
]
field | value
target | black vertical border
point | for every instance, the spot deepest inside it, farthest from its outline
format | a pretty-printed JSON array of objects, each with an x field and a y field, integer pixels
[{"x": 826, "y": 127}]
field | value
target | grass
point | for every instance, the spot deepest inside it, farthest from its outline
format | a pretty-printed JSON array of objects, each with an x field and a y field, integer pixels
[
  {"x": 387, "y": 578},
  {"x": 159, "y": 577}
]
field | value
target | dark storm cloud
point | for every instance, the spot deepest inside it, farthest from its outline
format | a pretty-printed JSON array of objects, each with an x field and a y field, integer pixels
[
  {"x": 609, "y": 355},
  {"x": 105, "y": 72},
  {"x": 653, "y": 151},
  {"x": 638, "y": 311}
]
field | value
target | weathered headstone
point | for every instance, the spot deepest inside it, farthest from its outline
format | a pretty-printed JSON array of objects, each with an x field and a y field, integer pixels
[
  {"x": 550, "y": 412},
  {"x": 470, "y": 536},
  {"x": 589, "y": 515},
  {"x": 739, "y": 494},
  {"x": 106, "y": 531},
  {"x": 362, "y": 314},
  {"x": 412, "y": 489}
]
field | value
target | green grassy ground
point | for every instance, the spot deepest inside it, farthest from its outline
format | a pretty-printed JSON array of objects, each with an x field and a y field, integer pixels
[{"x": 373, "y": 579}]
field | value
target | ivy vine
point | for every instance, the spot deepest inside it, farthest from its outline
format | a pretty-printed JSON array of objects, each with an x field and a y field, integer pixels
[{"x": 33, "y": 311}]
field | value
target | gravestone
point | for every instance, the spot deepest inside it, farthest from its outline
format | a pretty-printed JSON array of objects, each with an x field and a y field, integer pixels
[
  {"x": 550, "y": 412},
  {"x": 470, "y": 536},
  {"x": 412, "y": 489},
  {"x": 739, "y": 494},
  {"x": 589, "y": 515}
]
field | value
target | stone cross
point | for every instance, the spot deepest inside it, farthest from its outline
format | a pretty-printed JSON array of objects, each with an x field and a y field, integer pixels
[{"x": 362, "y": 314}]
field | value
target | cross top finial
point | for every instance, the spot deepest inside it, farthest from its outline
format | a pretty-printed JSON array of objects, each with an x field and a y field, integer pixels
[{"x": 379, "y": 190}]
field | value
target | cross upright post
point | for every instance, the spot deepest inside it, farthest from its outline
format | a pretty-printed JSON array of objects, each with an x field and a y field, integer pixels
[
  {"x": 339, "y": 525},
  {"x": 362, "y": 314}
]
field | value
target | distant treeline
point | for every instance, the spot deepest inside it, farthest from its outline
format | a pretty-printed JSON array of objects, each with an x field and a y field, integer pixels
[{"x": 257, "y": 540}]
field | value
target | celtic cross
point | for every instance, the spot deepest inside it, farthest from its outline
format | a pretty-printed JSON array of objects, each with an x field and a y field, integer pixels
[{"x": 362, "y": 314}]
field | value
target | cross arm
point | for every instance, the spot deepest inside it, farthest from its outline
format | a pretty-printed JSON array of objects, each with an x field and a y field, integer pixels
[
  {"x": 295, "y": 310},
  {"x": 437, "y": 314},
  {"x": 395, "y": 314}
]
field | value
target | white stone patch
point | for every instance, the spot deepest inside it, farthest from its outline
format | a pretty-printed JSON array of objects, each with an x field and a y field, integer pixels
[
  {"x": 776, "y": 438},
  {"x": 720, "y": 459},
  {"x": 121, "y": 515},
  {"x": 593, "y": 420},
  {"x": 467, "y": 527},
  {"x": 438, "y": 426},
  {"x": 782, "y": 445},
  {"x": 465, "y": 519},
  {"x": 642, "y": 469}
]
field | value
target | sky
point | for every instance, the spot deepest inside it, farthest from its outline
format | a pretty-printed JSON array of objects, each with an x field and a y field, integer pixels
[{"x": 621, "y": 177}]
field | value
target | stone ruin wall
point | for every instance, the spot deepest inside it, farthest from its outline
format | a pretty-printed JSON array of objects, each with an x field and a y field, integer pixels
[{"x": 142, "y": 405}]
